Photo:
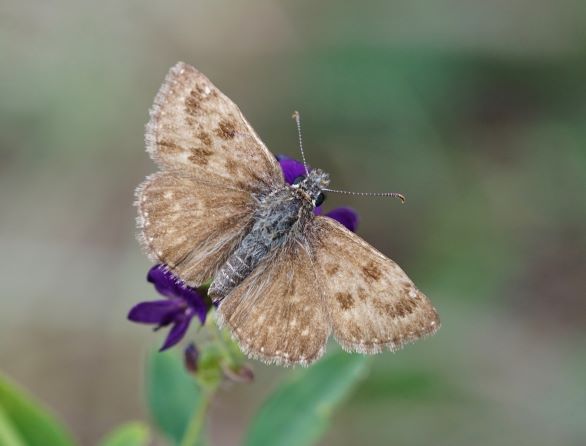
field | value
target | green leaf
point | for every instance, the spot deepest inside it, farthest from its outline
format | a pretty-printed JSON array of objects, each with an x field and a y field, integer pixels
[
  {"x": 410, "y": 384},
  {"x": 8, "y": 434},
  {"x": 23, "y": 421},
  {"x": 172, "y": 394},
  {"x": 134, "y": 433},
  {"x": 298, "y": 412}
]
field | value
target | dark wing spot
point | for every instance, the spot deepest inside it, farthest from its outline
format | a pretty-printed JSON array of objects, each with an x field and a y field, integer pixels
[
  {"x": 371, "y": 272},
  {"x": 345, "y": 300},
  {"x": 362, "y": 294},
  {"x": 241, "y": 185},
  {"x": 231, "y": 166},
  {"x": 169, "y": 147},
  {"x": 200, "y": 156},
  {"x": 205, "y": 138},
  {"x": 226, "y": 130},
  {"x": 399, "y": 309},
  {"x": 332, "y": 269},
  {"x": 253, "y": 182},
  {"x": 404, "y": 307},
  {"x": 192, "y": 102}
]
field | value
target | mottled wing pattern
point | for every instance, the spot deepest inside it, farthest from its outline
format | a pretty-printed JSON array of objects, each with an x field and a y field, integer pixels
[
  {"x": 191, "y": 224},
  {"x": 195, "y": 128},
  {"x": 194, "y": 213},
  {"x": 370, "y": 302},
  {"x": 275, "y": 314}
]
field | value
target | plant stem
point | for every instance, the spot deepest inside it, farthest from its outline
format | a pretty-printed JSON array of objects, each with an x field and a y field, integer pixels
[
  {"x": 192, "y": 435},
  {"x": 217, "y": 334}
]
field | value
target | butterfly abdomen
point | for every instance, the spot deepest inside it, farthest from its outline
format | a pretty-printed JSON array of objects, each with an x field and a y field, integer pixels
[{"x": 273, "y": 222}]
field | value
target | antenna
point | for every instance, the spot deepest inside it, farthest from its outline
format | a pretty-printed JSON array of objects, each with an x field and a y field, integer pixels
[
  {"x": 371, "y": 194},
  {"x": 401, "y": 197},
  {"x": 297, "y": 118}
]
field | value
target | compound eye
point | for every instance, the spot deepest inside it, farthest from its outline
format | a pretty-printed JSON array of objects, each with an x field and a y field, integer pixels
[
  {"x": 299, "y": 179},
  {"x": 320, "y": 199}
]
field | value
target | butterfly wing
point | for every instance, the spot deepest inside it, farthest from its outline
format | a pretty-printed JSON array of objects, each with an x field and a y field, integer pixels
[
  {"x": 369, "y": 300},
  {"x": 194, "y": 213},
  {"x": 195, "y": 128},
  {"x": 325, "y": 279},
  {"x": 275, "y": 314},
  {"x": 191, "y": 224}
]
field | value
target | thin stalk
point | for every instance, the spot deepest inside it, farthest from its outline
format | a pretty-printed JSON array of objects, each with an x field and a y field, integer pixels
[
  {"x": 218, "y": 336},
  {"x": 194, "y": 429}
]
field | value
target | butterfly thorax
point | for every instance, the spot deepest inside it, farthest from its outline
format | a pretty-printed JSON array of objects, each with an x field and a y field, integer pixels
[{"x": 280, "y": 212}]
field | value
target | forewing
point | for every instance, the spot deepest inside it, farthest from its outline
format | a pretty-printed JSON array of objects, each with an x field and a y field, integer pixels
[
  {"x": 275, "y": 314},
  {"x": 191, "y": 224},
  {"x": 370, "y": 302},
  {"x": 196, "y": 128}
]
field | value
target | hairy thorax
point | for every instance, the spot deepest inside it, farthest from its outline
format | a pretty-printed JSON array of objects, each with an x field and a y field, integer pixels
[{"x": 279, "y": 213}]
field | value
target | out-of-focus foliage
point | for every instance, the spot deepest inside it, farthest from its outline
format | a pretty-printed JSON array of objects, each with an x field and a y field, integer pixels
[
  {"x": 298, "y": 412},
  {"x": 23, "y": 422},
  {"x": 474, "y": 110},
  {"x": 129, "y": 434},
  {"x": 173, "y": 394}
]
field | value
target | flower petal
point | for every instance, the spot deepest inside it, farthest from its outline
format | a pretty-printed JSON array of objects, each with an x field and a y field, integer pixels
[
  {"x": 154, "y": 312},
  {"x": 164, "y": 281},
  {"x": 177, "y": 332},
  {"x": 291, "y": 169},
  {"x": 197, "y": 302},
  {"x": 345, "y": 215}
]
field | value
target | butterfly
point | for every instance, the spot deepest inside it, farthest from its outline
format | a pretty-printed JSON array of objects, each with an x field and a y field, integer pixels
[{"x": 283, "y": 279}]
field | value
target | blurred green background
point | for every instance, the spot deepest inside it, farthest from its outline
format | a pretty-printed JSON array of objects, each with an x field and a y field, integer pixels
[{"x": 475, "y": 110}]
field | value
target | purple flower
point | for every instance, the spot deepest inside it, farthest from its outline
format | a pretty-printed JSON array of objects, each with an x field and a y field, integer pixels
[
  {"x": 292, "y": 169},
  {"x": 181, "y": 305},
  {"x": 345, "y": 215}
]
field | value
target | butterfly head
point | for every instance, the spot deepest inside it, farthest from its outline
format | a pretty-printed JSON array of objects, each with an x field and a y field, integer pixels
[{"x": 312, "y": 185}]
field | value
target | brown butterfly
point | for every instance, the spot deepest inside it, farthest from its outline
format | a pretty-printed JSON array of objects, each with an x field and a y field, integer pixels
[{"x": 284, "y": 278}]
